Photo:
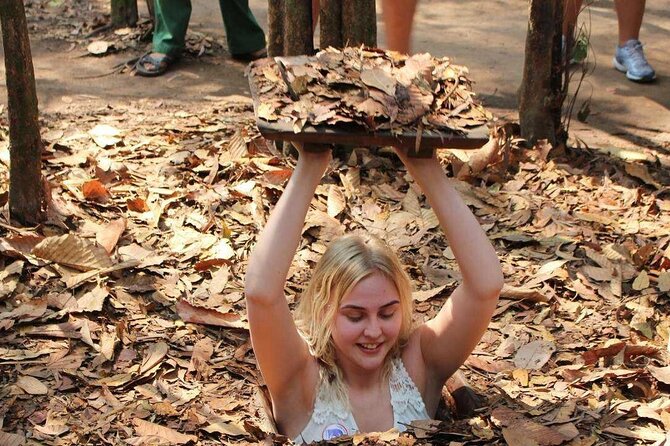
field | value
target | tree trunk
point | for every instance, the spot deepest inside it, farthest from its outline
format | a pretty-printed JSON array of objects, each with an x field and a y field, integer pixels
[
  {"x": 331, "y": 24},
  {"x": 124, "y": 13},
  {"x": 26, "y": 196},
  {"x": 152, "y": 11},
  {"x": 275, "y": 28},
  {"x": 540, "y": 93},
  {"x": 359, "y": 18},
  {"x": 298, "y": 33}
]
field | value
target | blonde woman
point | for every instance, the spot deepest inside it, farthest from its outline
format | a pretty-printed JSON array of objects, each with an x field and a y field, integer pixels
[{"x": 351, "y": 361}]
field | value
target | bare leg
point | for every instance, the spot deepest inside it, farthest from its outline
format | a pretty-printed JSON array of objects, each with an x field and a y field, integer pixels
[
  {"x": 629, "y": 13},
  {"x": 398, "y": 17},
  {"x": 571, "y": 10}
]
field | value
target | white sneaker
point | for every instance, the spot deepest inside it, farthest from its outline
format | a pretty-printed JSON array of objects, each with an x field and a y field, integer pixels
[{"x": 629, "y": 58}]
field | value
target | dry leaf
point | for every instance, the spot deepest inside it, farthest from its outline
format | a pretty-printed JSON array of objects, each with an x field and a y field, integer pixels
[
  {"x": 137, "y": 205},
  {"x": 488, "y": 366},
  {"x": 93, "y": 300},
  {"x": 237, "y": 147},
  {"x": 522, "y": 293},
  {"x": 147, "y": 429},
  {"x": 153, "y": 357},
  {"x": 52, "y": 429},
  {"x": 8, "y": 439},
  {"x": 200, "y": 315},
  {"x": 225, "y": 428},
  {"x": 534, "y": 355},
  {"x": 591, "y": 356},
  {"x": 32, "y": 386},
  {"x": 108, "y": 341},
  {"x": 202, "y": 352},
  {"x": 549, "y": 267},
  {"x": 641, "y": 172},
  {"x": 219, "y": 280},
  {"x": 411, "y": 203},
  {"x": 638, "y": 433},
  {"x": 660, "y": 373},
  {"x": 221, "y": 250},
  {"x": 520, "y": 431},
  {"x": 94, "y": 190},
  {"x": 379, "y": 79},
  {"x": 105, "y": 135},
  {"x": 641, "y": 281},
  {"x": 664, "y": 281},
  {"x": 27, "y": 311},
  {"x": 114, "y": 380},
  {"x": 19, "y": 245},
  {"x": 108, "y": 236},
  {"x": 336, "y": 203},
  {"x": 72, "y": 251},
  {"x": 277, "y": 177},
  {"x": 98, "y": 47},
  {"x": 422, "y": 296}
]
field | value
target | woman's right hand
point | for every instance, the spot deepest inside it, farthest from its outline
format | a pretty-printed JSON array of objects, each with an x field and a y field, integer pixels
[
  {"x": 420, "y": 167},
  {"x": 316, "y": 160}
]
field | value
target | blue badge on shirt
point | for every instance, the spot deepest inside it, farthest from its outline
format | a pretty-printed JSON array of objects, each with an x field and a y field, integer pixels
[{"x": 333, "y": 431}]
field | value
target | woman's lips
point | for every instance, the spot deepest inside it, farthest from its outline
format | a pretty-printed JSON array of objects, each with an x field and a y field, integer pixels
[{"x": 370, "y": 349}]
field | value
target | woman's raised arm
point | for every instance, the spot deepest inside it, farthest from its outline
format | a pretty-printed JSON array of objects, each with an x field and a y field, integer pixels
[
  {"x": 282, "y": 354},
  {"x": 449, "y": 338}
]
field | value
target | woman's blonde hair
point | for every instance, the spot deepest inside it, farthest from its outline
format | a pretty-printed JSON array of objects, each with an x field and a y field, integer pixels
[{"x": 347, "y": 261}]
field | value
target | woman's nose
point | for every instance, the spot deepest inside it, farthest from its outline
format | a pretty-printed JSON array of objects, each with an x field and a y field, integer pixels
[{"x": 373, "y": 330}]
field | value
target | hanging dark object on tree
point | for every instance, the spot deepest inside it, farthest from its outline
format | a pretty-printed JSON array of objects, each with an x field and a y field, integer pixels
[
  {"x": 541, "y": 94},
  {"x": 26, "y": 196}
]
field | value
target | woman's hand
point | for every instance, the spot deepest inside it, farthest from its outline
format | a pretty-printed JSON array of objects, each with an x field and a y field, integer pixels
[
  {"x": 420, "y": 167},
  {"x": 314, "y": 160}
]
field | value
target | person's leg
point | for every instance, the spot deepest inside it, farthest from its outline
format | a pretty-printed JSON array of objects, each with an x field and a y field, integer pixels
[
  {"x": 629, "y": 57},
  {"x": 571, "y": 10},
  {"x": 629, "y": 14},
  {"x": 170, "y": 24},
  {"x": 398, "y": 18},
  {"x": 172, "y": 17},
  {"x": 243, "y": 33}
]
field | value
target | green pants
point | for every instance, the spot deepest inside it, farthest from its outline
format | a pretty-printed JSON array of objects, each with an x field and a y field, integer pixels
[{"x": 172, "y": 16}]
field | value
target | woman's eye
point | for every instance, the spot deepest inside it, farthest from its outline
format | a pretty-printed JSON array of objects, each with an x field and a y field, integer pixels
[
  {"x": 387, "y": 315},
  {"x": 354, "y": 318}
]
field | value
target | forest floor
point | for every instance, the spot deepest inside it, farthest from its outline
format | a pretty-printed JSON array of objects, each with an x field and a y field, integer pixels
[{"x": 159, "y": 188}]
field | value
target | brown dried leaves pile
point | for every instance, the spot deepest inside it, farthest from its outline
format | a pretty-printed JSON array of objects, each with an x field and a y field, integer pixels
[
  {"x": 127, "y": 312},
  {"x": 371, "y": 88}
]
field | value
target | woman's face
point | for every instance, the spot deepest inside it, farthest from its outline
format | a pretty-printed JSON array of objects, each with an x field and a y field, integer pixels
[{"x": 367, "y": 323}]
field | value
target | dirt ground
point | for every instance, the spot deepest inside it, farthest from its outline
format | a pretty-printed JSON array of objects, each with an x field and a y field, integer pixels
[{"x": 486, "y": 36}]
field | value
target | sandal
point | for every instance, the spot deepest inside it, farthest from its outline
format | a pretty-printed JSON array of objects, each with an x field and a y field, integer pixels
[{"x": 152, "y": 66}]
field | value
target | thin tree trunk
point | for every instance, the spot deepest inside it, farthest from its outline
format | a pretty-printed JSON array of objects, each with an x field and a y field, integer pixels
[
  {"x": 275, "y": 28},
  {"x": 559, "y": 75},
  {"x": 26, "y": 196},
  {"x": 331, "y": 24},
  {"x": 298, "y": 33},
  {"x": 359, "y": 18},
  {"x": 152, "y": 9},
  {"x": 124, "y": 13},
  {"x": 539, "y": 114}
]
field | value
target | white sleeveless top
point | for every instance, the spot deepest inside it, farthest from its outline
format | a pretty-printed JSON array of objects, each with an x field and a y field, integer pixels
[{"x": 332, "y": 417}]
